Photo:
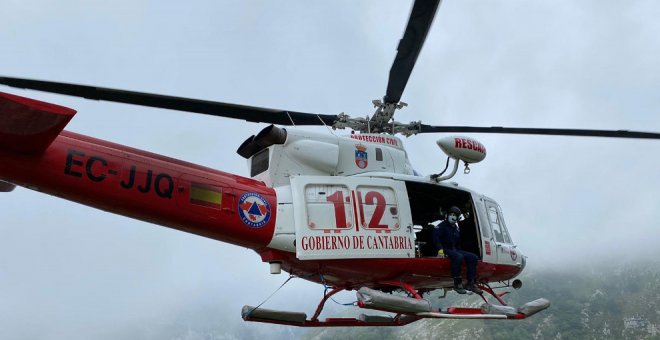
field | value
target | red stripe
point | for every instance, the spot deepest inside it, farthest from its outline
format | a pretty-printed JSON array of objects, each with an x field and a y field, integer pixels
[
  {"x": 359, "y": 195},
  {"x": 464, "y": 310},
  {"x": 355, "y": 212}
]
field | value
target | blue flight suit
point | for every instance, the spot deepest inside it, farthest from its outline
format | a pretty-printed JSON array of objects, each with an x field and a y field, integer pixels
[{"x": 448, "y": 237}]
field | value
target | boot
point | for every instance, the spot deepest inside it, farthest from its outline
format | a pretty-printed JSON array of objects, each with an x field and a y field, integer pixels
[
  {"x": 458, "y": 285},
  {"x": 473, "y": 287}
]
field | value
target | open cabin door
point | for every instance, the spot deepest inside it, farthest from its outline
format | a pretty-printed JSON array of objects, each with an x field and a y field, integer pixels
[
  {"x": 361, "y": 217},
  {"x": 429, "y": 202}
]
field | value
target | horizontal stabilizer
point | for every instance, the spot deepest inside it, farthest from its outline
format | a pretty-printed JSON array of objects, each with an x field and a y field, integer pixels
[{"x": 28, "y": 125}]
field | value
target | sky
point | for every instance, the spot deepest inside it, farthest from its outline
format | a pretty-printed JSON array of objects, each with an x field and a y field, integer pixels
[{"x": 67, "y": 270}]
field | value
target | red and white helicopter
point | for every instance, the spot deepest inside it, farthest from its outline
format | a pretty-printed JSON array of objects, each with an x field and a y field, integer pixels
[{"x": 346, "y": 212}]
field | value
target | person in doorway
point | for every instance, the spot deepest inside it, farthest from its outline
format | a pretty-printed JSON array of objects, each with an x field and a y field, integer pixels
[{"x": 447, "y": 239}]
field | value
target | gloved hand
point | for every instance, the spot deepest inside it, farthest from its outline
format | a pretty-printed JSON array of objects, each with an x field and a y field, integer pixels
[{"x": 441, "y": 253}]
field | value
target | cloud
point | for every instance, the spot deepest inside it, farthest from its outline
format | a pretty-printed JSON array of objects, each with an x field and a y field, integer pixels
[{"x": 72, "y": 271}]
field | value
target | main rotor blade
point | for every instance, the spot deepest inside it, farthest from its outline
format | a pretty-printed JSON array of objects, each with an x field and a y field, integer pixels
[
  {"x": 410, "y": 45},
  {"x": 537, "y": 131},
  {"x": 248, "y": 113}
]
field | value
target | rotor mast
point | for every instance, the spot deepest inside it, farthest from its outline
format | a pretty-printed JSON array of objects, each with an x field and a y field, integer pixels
[{"x": 419, "y": 24}]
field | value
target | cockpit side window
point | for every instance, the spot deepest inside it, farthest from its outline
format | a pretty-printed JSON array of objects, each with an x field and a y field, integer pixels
[
  {"x": 485, "y": 227},
  {"x": 496, "y": 222}
]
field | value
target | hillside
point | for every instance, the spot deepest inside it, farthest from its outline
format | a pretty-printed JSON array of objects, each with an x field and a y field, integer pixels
[
  {"x": 621, "y": 302},
  {"x": 610, "y": 301}
]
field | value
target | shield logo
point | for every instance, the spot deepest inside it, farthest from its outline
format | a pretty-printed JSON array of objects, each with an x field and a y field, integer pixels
[
  {"x": 254, "y": 210},
  {"x": 361, "y": 156}
]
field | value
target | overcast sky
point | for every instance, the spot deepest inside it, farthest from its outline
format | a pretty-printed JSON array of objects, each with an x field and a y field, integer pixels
[{"x": 67, "y": 270}]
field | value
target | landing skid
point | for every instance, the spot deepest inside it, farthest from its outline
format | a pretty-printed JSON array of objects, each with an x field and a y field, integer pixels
[
  {"x": 407, "y": 310},
  {"x": 250, "y": 313}
]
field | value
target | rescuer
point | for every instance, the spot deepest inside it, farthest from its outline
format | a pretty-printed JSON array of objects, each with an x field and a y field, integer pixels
[{"x": 446, "y": 239}]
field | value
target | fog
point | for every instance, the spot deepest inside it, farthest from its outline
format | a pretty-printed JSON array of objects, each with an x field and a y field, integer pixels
[{"x": 69, "y": 271}]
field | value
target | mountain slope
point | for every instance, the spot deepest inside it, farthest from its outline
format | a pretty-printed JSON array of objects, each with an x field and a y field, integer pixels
[{"x": 615, "y": 302}]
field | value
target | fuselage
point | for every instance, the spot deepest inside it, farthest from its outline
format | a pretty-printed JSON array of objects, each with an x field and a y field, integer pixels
[
  {"x": 372, "y": 218},
  {"x": 202, "y": 201}
]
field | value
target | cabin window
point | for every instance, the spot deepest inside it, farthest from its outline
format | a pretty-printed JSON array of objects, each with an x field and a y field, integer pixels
[
  {"x": 259, "y": 163},
  {"x": 485, "y": 230},
  {"x": 328, "y": 207},
  {"x": 496, "y": 222},
  {"x": 379, "y": 154},
  {"x": 378, "y": 208}
]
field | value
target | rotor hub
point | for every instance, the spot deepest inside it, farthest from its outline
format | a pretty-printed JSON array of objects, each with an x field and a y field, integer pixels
[{"x": 380, "y": 122}]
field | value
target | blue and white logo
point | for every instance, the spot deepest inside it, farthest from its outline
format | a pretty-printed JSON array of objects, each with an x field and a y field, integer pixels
[{"x": 254, "y": 210}]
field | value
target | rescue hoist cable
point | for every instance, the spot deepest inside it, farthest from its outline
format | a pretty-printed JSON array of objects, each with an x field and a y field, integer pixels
[
  {"x": 443, "y": 171},
  {"x": 438, "y": 179}
]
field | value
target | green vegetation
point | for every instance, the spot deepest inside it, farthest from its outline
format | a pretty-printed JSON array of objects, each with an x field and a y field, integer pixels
[
  {"x": 619, "y": 302},
  {"x": 609, "y": 302}
]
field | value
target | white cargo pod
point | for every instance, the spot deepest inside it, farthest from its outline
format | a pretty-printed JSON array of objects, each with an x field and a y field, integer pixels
[{"x": 467, "y": 149}]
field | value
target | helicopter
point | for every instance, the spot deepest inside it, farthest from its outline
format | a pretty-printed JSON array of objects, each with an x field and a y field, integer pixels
[{"x": 388, "y": 200}]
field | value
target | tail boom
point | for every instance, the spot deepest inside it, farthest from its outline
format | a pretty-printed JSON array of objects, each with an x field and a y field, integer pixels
[{"x": 148, "y": 187}]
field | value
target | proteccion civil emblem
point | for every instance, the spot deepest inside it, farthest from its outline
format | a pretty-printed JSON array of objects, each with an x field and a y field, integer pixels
[
  {"x": 361, "y": 157},
  {"x": 254, "y": 210}
]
